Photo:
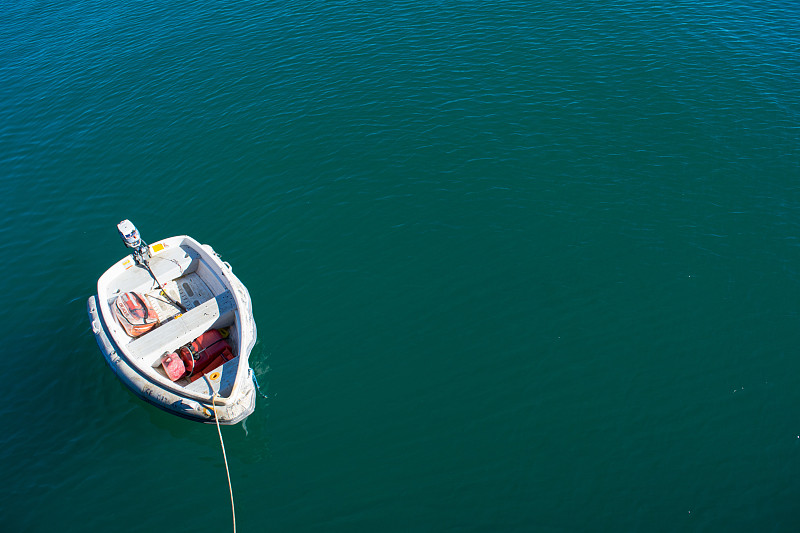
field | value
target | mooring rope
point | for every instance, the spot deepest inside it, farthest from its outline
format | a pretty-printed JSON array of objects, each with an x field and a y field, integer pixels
[
  {"x": 225, "y": 457},
  {"x": 258, "y": 387}
]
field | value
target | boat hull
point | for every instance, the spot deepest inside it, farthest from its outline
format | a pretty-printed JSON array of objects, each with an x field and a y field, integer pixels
[{"x": 193, "y": 401}]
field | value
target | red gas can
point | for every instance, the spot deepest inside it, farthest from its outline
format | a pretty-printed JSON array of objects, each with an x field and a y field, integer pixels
[{"x": 173, "y": 366}]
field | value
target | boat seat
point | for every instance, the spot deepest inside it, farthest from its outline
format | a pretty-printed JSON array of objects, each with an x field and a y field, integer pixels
[{"x": 182, "y": 329}]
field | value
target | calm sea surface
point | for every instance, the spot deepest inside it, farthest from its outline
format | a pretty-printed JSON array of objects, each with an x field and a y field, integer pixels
[{"x": 516, "y": 266}]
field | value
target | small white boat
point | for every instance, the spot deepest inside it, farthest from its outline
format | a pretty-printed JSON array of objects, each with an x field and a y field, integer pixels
[{"x": 176, "y": 326}]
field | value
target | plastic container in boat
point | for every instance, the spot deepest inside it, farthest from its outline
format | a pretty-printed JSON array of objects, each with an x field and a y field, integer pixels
[{"x": 173, "y": 366}]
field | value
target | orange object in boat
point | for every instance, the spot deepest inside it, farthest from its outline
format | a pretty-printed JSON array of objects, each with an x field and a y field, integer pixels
[{"x": 134, "y": 313}]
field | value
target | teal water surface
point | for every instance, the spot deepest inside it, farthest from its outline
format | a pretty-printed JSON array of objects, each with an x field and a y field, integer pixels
[{"x": 516, "y": 266}]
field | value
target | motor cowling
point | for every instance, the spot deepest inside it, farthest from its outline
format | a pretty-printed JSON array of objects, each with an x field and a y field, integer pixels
[
  {"x": 132, "y": 239},
  {"x": 129, "y": 234}
]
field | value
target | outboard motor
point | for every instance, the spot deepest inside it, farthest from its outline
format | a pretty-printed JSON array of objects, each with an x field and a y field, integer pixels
[
  {"x": 132, "y": 239},
  {"x": 141, "y": 254}
]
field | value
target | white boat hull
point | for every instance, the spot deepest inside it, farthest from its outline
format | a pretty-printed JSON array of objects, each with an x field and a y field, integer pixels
[{"x": 230, "y": 391}]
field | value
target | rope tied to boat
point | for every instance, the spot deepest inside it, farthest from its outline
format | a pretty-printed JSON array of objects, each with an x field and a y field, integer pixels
[
  {"x": 224, "y": 456},
  {"x": 258, "y": 387}
]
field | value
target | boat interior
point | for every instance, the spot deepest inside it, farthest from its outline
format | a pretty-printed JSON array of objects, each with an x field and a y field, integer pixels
[{"x": 187, "y": 279}]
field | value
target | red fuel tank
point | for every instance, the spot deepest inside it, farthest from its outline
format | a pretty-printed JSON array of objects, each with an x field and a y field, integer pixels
[
  {"x": 224, "y": 356},
  {"x": 202, "y": 351}
]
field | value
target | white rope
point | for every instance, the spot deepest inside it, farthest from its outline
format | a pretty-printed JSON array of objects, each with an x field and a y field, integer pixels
[{"x": 225, "y": 457}]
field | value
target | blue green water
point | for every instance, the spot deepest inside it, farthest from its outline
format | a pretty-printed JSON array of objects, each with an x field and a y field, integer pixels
[{"x": 516, "y": 266}]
